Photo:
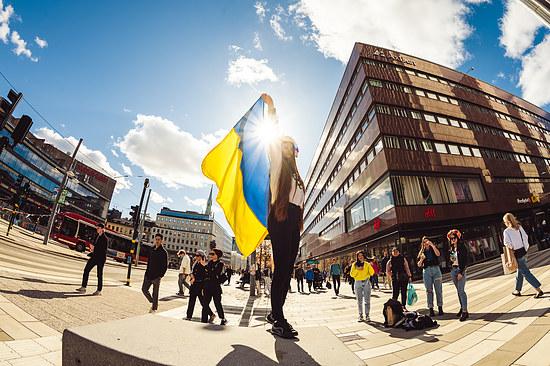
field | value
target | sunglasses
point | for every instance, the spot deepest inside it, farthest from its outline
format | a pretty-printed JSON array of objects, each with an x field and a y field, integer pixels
[
  {"x": 198, "y": 255},
  {"x": 453, "y": 237},
  {"x": 212, "y": 253}
]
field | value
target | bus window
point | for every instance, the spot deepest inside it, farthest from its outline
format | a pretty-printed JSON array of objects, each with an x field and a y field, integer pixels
[
  {"x": 87, "y": 233},
  {"x": 144, "y": 250},
  {"x": 69, "y": 227},
  {"x": 57, "y": 224}
]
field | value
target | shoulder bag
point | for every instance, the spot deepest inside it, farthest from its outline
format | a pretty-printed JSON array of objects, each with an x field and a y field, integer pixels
[{"x": 521, "y": 252}]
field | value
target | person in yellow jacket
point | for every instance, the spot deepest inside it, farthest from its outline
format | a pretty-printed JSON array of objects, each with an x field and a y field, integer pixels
[{"x": 361, "y": 271}]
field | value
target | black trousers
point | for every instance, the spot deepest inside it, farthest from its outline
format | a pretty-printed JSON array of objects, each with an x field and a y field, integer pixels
[
  {"x": 336, "y": 280},
  {"x": 285, "y": 238},
  {"x": 206, "y": 311},
  {"x": 400, "y": 286},
  {"x": 145, "y": 289},
  {"x": 300, "y": 282},
  {"x": 89, "y": 265},
  {"x": 195, "y": 292}
]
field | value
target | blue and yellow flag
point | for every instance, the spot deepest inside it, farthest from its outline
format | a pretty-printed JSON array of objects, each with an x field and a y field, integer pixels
[{"x": 239, "y": 165}]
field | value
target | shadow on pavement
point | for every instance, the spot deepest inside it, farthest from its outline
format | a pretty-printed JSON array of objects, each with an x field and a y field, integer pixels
[{"x": 38, "y": 294}]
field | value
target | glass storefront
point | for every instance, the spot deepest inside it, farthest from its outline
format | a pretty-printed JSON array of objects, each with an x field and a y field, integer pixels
[{"x": 377, "y": 201}]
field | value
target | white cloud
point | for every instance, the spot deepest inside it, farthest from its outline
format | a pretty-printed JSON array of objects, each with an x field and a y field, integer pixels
[
  {"x": 275, "y": 23},
  {"x": 157, "y": 198},
  {"x": 41, "y": 42},
  {"x": 167, "y": 153},
  {"x": 257, "y": 42},
  {"x": 518, "y": 26},
  {"x": 235, "y": 49},
  {"x": 21, "y": 46},
  {"x": 114, "y": 153},
  {"x": 93, "y": 158},
  {"x": 535, "y": 74},
  {"x": 5, "y": 13},
  {"x": 126, "y": 110},
  {"x": 4, "y": 32},
  {"x": 201, "y": 203},
  {"x": 260, "y": 9},
  {"x": 435, "y": 30},
  {"x": 126, "y": 169},
  {"x": 246, "y": 70}
]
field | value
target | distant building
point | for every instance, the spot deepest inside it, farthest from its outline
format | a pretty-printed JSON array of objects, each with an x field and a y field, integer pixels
[
  {"x": 123, "y": 226},
  {"x": 114, "y": 214}
]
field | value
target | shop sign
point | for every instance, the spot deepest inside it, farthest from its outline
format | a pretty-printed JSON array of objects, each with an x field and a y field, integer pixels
[
  {"x": 533, "y": 199},
  {"x": 395, "y": 58},
  {"x": 61, "y": 197},
  {"x": 377, "y": 224},
  {"x": 429, "y": 213},
  {"x": 92, "y": 173}
]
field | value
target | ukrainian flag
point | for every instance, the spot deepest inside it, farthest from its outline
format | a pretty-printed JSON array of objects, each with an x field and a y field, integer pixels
[{"x": 239, "y": 165}]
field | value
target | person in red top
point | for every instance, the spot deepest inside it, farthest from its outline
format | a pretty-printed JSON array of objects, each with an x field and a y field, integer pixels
[{"x": 374, "y": 277}]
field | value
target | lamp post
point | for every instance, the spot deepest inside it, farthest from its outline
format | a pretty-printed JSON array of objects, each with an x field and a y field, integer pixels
[
  {"x": 136, "y": 225},
  {"x": 59, "y": 192}
]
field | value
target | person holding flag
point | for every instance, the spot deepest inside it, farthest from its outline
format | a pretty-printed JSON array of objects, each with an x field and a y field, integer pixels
[{"x": 260, "y": 189}]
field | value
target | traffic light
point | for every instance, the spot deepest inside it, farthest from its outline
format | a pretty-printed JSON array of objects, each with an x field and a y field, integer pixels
[
  {"x": 8, "y": 106},
  {"x": 19, "y": 182},
  {"x": 134, "y": 213},
  {"x": 26, "y": 189},
  {"x": 20, "y": 131}
]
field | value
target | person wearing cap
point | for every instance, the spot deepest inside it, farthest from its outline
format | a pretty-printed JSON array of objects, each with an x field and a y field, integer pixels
[
  {"x": 98, "y": 256},
  {"x": 459, "y": 259},
  {"x": 212, "y": 288},
  {"x": 398, "y": 269},
  {"x": 156, "y": 269},
  {"x": 184, "y": 270},
  {"x": 285, "y": 221},
  {"x": 198, "y": 281}
]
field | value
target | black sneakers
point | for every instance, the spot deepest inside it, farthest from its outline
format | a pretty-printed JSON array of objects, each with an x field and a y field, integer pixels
[
  {"x": 539, "y": 294},
  {"x": 459, "y": 314},
  {"x": 463, "y": 316},
  {"x": 270, "y": 318},
  {"x": 283, "y": 329},
  {"x": 441, "y": 310},
  {"x": 432, "y": 314}
]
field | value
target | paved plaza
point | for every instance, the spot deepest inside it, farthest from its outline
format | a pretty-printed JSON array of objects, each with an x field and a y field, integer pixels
[{"x": 37, "y": 302}]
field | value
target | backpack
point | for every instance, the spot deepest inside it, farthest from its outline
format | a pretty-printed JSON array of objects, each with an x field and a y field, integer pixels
[
  {"x": 415, "y": 321},
  {"x": 393, "y": 312}
]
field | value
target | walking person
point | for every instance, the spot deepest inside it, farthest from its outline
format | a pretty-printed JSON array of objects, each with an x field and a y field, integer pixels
[
  {"x": 516, "y": 239},
  {"x": 285, "y": 221},
  {"x": 198, "y": 281},
  {"x": 374, "y": 277},
  {"x": 229, "y": 273},
  {"x": 309, "y": 276},
  {"x": 156, "y": 268},
  {"x": 185, "y": 269},
  {"x": 267, "y": 281},
  {"x": 258, "y": 280},
  {"x": 387, "y": 279},
  {"x": 335, "y": 272},
  {"x": 431, "y": 274},
  {"x": 97, "y": 258},
  {"x": 212, "y": 289},
  {"x": 299, "y": 274},
  {"x": 351, "y": 280},
  {"x": 459, "y": 259},
  {"x": 398, "y": 269},
  {"x": 361, "y": 271}
]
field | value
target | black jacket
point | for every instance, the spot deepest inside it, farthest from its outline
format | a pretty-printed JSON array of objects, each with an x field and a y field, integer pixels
[
  {"x": 299, "y": 273},
  {"x": 100, "y": 249},
  {"x": 462, "y": 253},
  {"x": 213, "y": 272},
  {"x": 157, "y": 263}
]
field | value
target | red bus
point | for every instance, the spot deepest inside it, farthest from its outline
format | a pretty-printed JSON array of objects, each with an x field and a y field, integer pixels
[{"x": 78, "y": 232}]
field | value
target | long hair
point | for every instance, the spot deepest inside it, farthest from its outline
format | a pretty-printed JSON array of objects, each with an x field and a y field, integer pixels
[
  {"x": 357, "y": 256},
  {"x": 422, "y": 246},
  {"x": 512, "y": 220},
  {"x": 288, "y": 167}
]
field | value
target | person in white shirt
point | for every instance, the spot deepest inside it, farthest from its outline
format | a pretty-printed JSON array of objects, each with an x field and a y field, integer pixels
[
  {"x": 516, "y": 239},
  {"x": 185, "y": 269}
]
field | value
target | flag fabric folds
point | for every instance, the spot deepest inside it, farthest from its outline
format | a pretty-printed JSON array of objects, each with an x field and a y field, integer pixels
[{"x": 239, "y": 165}]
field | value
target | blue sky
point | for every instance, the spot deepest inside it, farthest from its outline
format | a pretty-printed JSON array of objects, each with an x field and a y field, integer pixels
[{"x": 153, "y": 87}]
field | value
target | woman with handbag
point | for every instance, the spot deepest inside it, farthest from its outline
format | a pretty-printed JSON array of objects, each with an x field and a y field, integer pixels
[
  {"x": 516, "y": 239},
  {"x": 212, "y": 289},
  {"x": 459, "y": 259}
]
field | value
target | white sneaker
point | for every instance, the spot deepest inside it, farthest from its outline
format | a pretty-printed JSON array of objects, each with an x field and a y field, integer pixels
[
  {"x": 97, "y": 293},
  {"x": 81, "y": 289},
  {"x": 360, "y": 318},
  {"x": 367, "y": 318}
]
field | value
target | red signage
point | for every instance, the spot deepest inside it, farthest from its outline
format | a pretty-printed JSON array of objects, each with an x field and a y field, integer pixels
[
  {"x": 430, "y": 212},
  {"x": 377, "y": 224},
  {"x": 92, "y": 172}
]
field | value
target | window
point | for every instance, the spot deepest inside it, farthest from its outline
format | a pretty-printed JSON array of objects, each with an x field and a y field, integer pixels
[
  {"x": 442, "y": 120},
  {"x": 391, "y": 142},
  {"x": 383, "y": 109},
  {"x": 443, "y": 99},
  {"x": 410, "y": 72},
  {"x": 378, "y": 147},
  {"x": 370, "y": 156},
  {"x": 429, "y": 117},
  {"x": 453, "y": 101},
  {"x": 363, "y": 165},
  {"x": 409, "y": 144},
  {"x": 376, "y": 83},
  {"x": 465, "y": 151},
  {"x": 420, "y": 93},
  {"x": 440, "y": 148},
  {"x": 400, "y": 112},
  {"x": 422, "y": 75},
  {"x": 406, "y": 89},
  {"x": 454, "y": 122},
  {"x": 464, "y": 125},
  {"x": 376, "y": 202},
  {"x": 416, "y": 115},
  {"x": 431, "y": 95},
  {"x": 453, "y": 149},
  {"x": 371, "y": 114},
  {"x": 432, "y": 78}
]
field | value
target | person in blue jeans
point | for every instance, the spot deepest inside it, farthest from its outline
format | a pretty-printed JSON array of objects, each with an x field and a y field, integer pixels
[
  {"x": 459, "y": 260},
  {"x": 309, "y": 276},
  {"x": 335, "y": 272},
  {"x": 516, "y": 239},
  {"x": 431, "y": 274},
  {"x": 361, "y": 271}
]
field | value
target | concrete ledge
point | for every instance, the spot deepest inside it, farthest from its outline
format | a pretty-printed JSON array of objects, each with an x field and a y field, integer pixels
[{"x": 157, "y": 340}]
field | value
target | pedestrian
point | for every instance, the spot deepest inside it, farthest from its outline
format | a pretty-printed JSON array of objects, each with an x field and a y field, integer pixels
[
  {"x": 267, "y": 280},
  {"x": 299, "y": 274},
  {"x": 229, "y": 273},
  {"x": 185, "y": 269},
  {"x": 156, "y": 268},
  {"x": 459, "y": 259},
  {"x": 258, "y": 280},
  {"x": 324, "y": 274},
  {"x": 198, "y": 282},
  {"x": 431, "y": 274},
  {"x": 98, "y": 256},
  {"x": 335, "y": 272},
  {"x": 317, "y": 278},
  {"x": 285, "y": 221},
  {"x": 212, "y": 289},
  {"x": 387, "y": 279},
  {"x": 398, "y": 269},
  {"x": 361, "y": 271},
  {"x": 374, "y": 277},
  {"x": 351, "y": 280},
  {"x": 309, "y": 276},
  {"x": 516, "y": 239}
]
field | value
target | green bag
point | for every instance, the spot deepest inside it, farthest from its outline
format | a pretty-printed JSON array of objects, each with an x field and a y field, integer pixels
[{"x": 412, "y": 297}]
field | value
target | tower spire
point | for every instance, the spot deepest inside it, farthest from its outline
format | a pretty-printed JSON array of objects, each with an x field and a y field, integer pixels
[{"x": 208, "y": 210}]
